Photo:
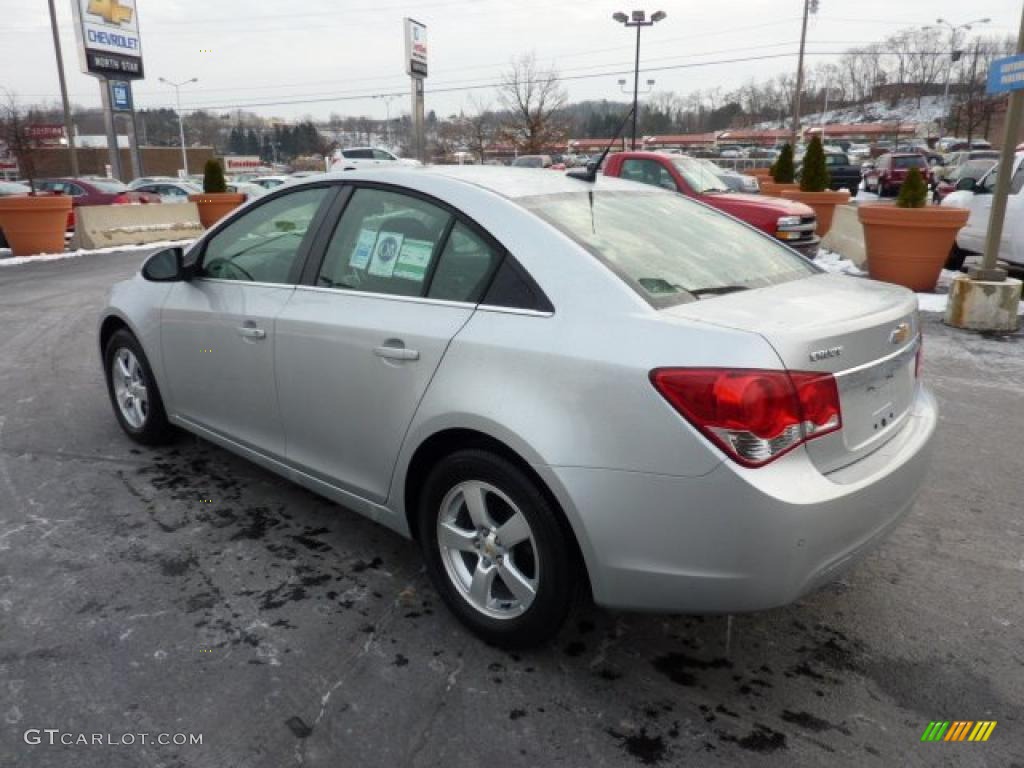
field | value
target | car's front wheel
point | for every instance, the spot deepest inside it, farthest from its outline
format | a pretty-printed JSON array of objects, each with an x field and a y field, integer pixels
[
  {"x": 133, "y": 391},
  {"x": 496, "y": 549}
]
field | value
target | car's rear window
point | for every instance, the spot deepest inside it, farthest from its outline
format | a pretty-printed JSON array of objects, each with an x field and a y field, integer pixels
[
  {"x": 669, "y": 249},
  {"x": 109, "y": 187},
  {"x": 909, "y": 162}
]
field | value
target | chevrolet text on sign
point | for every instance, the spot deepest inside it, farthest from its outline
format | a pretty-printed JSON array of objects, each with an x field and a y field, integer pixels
[{"x": 108, "y": 37}]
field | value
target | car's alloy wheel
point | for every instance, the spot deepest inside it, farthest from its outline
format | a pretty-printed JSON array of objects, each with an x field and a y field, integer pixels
[
  {"x": 488, "y": 549},
  {"x": 496, "y": 548},
  {"x": 130, "y": 391},
  {"x": 133, "y": 391}
]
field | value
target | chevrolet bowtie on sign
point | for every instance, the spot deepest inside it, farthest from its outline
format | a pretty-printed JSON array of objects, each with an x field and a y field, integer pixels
[
  {"x": 958, "y": 730},
  {"x": 112, "y": 11},
  {"x": 109, "y": 44}
]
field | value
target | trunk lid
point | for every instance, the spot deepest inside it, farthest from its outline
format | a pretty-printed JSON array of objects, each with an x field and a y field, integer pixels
[{"x": 863, "y": 332}]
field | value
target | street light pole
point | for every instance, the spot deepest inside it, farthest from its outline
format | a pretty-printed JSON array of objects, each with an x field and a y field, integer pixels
[
  {"x": 69, "y": 126},
  {"x": 639, "y": 19},
  {"x": 954, "y": 29},
  {"x": 181, "y": 120}
]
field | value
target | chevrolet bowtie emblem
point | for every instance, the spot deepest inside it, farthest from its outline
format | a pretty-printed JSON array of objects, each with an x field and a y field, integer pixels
[{"x": 111, "y": 10}]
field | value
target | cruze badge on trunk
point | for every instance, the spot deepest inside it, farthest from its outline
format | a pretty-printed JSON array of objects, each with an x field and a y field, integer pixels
[{"x": 824, "y": 354}]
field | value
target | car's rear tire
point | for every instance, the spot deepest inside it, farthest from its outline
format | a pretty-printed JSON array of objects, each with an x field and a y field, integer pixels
[
  {"x": 514, "y": 592},
  {"x": 133, "y": 391}
]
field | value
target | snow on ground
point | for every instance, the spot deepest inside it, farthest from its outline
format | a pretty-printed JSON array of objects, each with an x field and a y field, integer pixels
[{"x": 6, "y": 260}]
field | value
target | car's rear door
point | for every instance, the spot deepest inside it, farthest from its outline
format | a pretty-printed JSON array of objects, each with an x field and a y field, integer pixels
[
  {"x": 358, "y": 344},
  {"x": 217, "y": 330}
]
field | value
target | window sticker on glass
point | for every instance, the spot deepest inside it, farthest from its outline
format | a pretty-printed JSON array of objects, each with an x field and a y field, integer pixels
[
  {"x": 413, "y": 260},
  {"x": 385, "y": 254},
  {"x": 364, "y": 247}
]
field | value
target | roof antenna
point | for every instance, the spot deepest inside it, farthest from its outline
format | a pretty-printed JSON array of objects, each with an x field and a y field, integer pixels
[{"x": 590, "y": 174}]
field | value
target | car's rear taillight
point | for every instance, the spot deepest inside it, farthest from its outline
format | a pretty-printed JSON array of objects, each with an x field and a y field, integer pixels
[
  {"x": 122, "y": 199},
  {"x": 755, "y": 416}
]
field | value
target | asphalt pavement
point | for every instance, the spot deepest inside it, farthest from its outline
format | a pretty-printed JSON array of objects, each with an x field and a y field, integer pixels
[{"x": 183, "y": 590}]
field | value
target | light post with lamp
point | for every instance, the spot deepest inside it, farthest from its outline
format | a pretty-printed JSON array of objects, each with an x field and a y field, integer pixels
[
  {"x": 181, "y": 122},
  {"x": 954, "y": 31},
  {"x": 639, "y": 19},
  {"x": 388, "y": 98}
]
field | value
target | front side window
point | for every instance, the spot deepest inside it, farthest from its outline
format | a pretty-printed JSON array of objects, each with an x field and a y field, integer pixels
[
  {"x": 385, "y": 242},
  {"x": 667, "y": 248},
  {"x": 358, "y": 154},
  {"x": 263, "y": 244}
]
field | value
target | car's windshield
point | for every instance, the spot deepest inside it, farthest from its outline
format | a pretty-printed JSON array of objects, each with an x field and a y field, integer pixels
[
  {"x": 834, "y": 158},
  {"x": 669, "y": 249},
  {"x": 700, "y": 178}
]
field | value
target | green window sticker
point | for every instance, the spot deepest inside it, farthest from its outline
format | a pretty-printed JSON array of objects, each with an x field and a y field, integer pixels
[{"x": 413, "y": 260}]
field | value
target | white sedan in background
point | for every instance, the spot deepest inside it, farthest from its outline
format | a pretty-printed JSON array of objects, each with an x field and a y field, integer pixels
[
  {"x": 978, "y": 198},
  {"x": 357, "y": 158},
  {"x": 170, "y": 190}
]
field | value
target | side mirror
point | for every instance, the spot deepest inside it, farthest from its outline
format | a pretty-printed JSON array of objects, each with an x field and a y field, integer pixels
[
  {"x": 967, "y": 184},
  {"x": 166, "y": 266}
]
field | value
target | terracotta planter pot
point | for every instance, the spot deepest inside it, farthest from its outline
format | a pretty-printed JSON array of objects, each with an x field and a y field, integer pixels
[
  {"x": 909, "y": 246},
  {"x": 775, "y": 190},
  {"x": 761, "y": 174},
  {"x": 215, "y": 206},
  {"x": 823, "y": 203},
  {"x": 35, "y": 225}
]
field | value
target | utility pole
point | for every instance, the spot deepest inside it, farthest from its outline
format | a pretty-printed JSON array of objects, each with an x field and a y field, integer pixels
[
  {"x": 638, "y": 20},
  {"x": 69, "y": 126},
  {"x": 810, "y": 6}
]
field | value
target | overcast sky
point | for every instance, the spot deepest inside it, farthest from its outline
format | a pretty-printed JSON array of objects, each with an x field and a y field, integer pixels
[{"x": 332, "y": 53}]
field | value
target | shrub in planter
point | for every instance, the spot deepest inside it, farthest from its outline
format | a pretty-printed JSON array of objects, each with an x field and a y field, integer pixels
[
  {"x": 216, "y": 202},
  {"x": 907, "y": 243},
  {"x": 814, "y": 188},
  {"x": 782, "y": 173}
]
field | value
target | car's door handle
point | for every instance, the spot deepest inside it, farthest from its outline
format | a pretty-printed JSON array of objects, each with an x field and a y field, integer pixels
[
  {"x": 396, "y": 353},
  {"x": 251, "y": 332}
]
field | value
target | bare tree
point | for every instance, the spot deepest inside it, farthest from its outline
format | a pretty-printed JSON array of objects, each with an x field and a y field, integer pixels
[
  {"x": 15, "y": 134},
  {"x": 480, "y": 127},
  {"x": 534, "y": 99}
]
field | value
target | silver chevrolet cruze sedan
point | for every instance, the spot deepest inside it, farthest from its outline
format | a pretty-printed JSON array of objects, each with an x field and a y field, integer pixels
[{"x": 556, "y": 386}]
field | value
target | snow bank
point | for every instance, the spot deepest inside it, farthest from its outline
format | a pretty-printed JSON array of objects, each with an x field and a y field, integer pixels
[{"x": 14, "y": 261}]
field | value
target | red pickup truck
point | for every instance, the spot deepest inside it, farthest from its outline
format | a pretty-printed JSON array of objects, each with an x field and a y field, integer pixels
[{"x": 791, "y": 222}]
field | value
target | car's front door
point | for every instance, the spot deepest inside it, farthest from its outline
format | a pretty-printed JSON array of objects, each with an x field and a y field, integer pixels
[
  {"x": 217, "y": 330},
  {"x": 357, "y": 347}
]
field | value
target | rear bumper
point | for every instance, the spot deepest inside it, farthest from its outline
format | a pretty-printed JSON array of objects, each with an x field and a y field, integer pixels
[{"x": 738, "y": 539}]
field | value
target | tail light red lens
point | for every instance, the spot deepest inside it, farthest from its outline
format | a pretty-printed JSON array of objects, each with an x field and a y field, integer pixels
[
  {"x": 121, "y": 199},
  {"x": 754, "y": 416}
]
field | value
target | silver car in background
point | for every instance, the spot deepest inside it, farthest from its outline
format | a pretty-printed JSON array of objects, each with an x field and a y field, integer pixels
[{"x": 554, "y": 385}]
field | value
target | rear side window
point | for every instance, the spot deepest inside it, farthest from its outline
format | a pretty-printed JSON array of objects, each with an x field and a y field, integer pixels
[
  {"x": 358, "y": 154},
  {"x": 668, "y": 249},
  {"x": 909, "y": 162},
  {"x": 385, "y": 242},
  {"x": 466, "y": 264}
]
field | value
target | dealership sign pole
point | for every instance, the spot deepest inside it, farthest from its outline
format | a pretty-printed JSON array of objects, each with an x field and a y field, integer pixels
[
  {"x": 110, "y": 49},
  {"x": 416, "y": 67},
  {"x": 987, "y": 299}
]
